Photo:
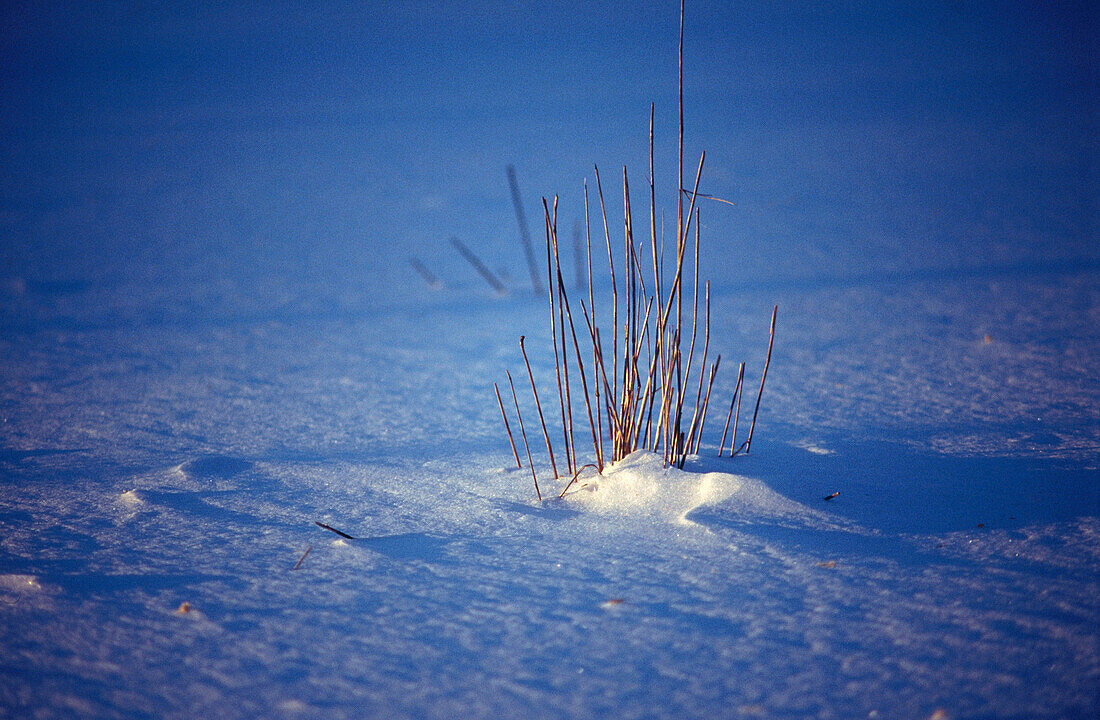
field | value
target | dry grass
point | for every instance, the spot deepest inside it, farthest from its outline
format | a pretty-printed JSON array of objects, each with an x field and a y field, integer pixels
[{"x": 648, "y": 394}]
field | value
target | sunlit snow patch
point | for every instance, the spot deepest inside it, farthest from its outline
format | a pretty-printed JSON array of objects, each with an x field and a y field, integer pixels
[
  {"x": 641, "y": 484},
  {"x": 130, "y": 498},
  {"x": 23, "y": 590},
  {"x": 20, "y": 583},
  {"x": 813, "y": 447},
  {"x": 129, "y": 504}
]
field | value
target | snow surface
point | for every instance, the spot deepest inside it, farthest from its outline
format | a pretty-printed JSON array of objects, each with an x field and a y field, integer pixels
[{"x": 154, "y": 458}]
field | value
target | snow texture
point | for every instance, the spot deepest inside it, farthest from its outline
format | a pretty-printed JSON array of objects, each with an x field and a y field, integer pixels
[{"x": 152, "y": 464}]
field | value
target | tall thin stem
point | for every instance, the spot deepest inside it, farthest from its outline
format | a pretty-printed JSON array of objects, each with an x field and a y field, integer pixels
[
  {"x": 527, "y": 447},
  {"x": 553, "y": 332},
  {"x": 736, "y": 391},
  {"x": 538, "y": 405},
  {"x": 591, "y": 300},
  {"x": 507, "y": 427},
  {"x": 767, "y": 362},
  {"x": 614, "y": 293}
]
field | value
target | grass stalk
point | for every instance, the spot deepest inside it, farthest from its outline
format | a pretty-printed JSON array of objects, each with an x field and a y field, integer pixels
[
  {"x": 551, "y": 265},
  {"x": 614, "y": 292},
  {"x": 696, "y": 415},
  {"x": 562, "y": 300},
  {"x": 737, "y": 412},
  {"x": 591, "y": 300},
  {"x": 563, "y": 305},
  {"x": 578, "y": 258},
  {"x": 706, "y": 404},
  {"x": 302, "y": 559},
  {"x": 736, "y": 396},
  {"x": 763, "y": 377},
  {"x": 538, "y": 405},
  {"x": 507, "y": 427},
  {"x": 574, "y": 478},
  {"x": 694, "y": 328},
  {"x": 653, "y": 216},
  {"x": 523, "y": 431},
  {"x": 330, "y": 528}
]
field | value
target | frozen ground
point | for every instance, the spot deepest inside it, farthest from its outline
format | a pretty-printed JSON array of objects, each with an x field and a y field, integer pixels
[{"x": 161, "y": 453}]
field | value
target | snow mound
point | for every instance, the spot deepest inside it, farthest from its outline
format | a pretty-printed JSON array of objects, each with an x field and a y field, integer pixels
[
  {"x": 641, "y": 484},
  {"x": 131, "y": 499},
  {"x": 15, "y": 583},
  {"x": 27, "y": 591}
]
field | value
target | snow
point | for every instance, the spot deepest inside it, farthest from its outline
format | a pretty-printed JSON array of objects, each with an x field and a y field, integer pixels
[
  {"x": 940, "y": 577},
  {"x": 251, "y": 465},
  {"x": 640, "y": 484}
]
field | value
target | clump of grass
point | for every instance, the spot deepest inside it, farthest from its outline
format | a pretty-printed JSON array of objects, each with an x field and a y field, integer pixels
[{"x": 644, "y": 395}]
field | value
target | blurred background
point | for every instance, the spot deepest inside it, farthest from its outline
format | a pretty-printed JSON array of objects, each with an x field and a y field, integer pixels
[{"x": 211, "y": 147}]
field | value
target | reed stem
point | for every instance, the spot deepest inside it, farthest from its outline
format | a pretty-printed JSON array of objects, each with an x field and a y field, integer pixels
[
  {"x": 507, "y": 427},
  {"x": 523, "y": 431},
  {"x": 538, "y": 405},
  {"x": 763, "y": 377}
]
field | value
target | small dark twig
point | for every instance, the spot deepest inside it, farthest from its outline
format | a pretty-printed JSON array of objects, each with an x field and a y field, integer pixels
[
  {"x": 507, "y": 427},
  {"x": 685, "y": 191},
  {"x": 526, "y": 446},
  {"x": 737, "y": 413},
  {"x": 578, "y": 256},
  {"x": 575, "y": 476},
  {"x": 329, "y": 527},
  {"x": 729, "y": 415},
  {"x": 767, "y": 362},
  {"x": 538, "y": 406},
  {"x": 301, "y": 559}
]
